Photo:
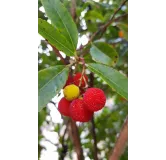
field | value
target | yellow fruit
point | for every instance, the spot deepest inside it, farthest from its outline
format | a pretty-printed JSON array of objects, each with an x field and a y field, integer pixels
[{"x": 71, "y": 92}]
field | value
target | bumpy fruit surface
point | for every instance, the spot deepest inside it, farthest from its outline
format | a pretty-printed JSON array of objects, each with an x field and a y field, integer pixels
[
  {"x": 71, "y": 92},
  {"x": 78, "y": 112},
  {"x": 69, "y": 81},
  {"x": 63, "y": 107},
  {"x": 77, "y": 79},
  {"x": 94, "y": 99}
]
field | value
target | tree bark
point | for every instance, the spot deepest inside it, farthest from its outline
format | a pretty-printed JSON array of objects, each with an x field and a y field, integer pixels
[
  {"x": 74, "y": 134},
  {"x": 120, "y": 143}
]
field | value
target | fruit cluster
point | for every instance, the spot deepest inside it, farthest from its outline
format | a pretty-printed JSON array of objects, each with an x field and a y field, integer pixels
[{"x": 78, "y": 103}]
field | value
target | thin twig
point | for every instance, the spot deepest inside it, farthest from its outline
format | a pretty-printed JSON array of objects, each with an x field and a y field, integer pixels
[
  {"x": 64, "y": 146},
  {"x": 56, "y": 51},
  {"x": 83, "y": 72},
  {"x": 94, "y": 139},
  {"x": 103, "y": 28},
  {"x": 120, "y": 143},
  {"x": 52, "y": 103},
  {"x": 58, "y": 54},
  {"x": 73, "y": 9},
  {"x": 112, "y": 18},
  {"x": 121, "y": 17},
  {"x": 47, "y": 140}
]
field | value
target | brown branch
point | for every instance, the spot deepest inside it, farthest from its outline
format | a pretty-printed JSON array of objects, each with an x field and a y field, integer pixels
[
  {"x": 64, "y": 146},
  {"x": 56, "y": 51},
  {"x": 73, "y": 9},
  {"x": 120, "y": 143},
  {"x": 74, "y": 134},
  {"x": 58, "y": 54},
  {"x": 103, "y": 28},
  {"x": 94, "y": 139},
  {"x": 121, "y": 17},
  {"x": 112, "y": 18}
]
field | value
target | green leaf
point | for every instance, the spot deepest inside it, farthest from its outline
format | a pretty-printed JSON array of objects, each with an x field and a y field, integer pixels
[
  {"x": 50, "y": 81},
  {"x": 54, "y": 37},
  {"x": 93, "y": 15},
  {"x": 103, "y": 53},
  {"x": 61, "y": 20},
  {"x": 41, "y": 117},
  {"x": 112, "y": 77}
]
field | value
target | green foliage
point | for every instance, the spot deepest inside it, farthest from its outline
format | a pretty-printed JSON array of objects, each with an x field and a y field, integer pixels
[
  {"x": 50, "y": 81},
  {"x": 124, "y": 28},
  {"x": 106, "y": 57},
  {"x": 54, "y": 37},
  {"x": 113, "y": 78},
  {"x": 104, "y": 53},
  {"x": 61, "y": 20},
  {"x": 94, "y": 15}
]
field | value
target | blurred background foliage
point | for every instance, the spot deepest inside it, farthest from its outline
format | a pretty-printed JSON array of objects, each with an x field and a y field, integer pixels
[{"x": 90, "y": 16}]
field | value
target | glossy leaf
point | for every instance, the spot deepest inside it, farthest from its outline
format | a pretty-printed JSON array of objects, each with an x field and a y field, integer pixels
[
  {"x": 104, "y": 53},
  {"x": 54, "y": 37},
  {"x": 112, "y": 77},
  {"x": 61, "y": 20},
  {"x": 50, "y": 81},
  {"x": 93, "y": 15}
]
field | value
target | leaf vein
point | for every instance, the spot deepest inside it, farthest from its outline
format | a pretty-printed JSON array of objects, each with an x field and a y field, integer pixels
[
  {"x": 64, "y": 25},
  {"x": 56, "y": 40},
  {"x": 108, "y": 79},
  {"x": 51, "y": 79}
]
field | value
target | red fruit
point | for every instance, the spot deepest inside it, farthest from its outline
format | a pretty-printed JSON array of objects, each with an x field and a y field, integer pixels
[
  {"x": 94, "y": 99},
  {"x": 64, "y": 106},
  {"x": 77, "y": 79},
  {"x": 69, "y": 81},
  {"x": 78, "y": 112}
]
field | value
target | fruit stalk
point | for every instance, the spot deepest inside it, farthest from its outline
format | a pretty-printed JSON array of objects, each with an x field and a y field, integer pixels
[{"x": 83, "y": 71}]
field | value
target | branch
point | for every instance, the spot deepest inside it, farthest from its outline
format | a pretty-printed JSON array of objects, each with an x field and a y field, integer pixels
[
  {"x": 52, "y": 103},
  {"x": 120, "y": 143},
  {"x": 64, "y": 146},
  {"x": 121, "y": 17},
  {"x": 95, "y": 139},
  {"x": 74, "y": 134},
  {"x": 58, "y": 54},
  {"x": 112, "y": 18},
  {"x": 56, "y": 51},
  {"x": 103, "y": 28},
  {"x": 73, "y": 9}
]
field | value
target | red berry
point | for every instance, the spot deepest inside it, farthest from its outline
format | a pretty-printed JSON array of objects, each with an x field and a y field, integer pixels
[
  {"x": 77, "y": 79},
  {"x": 64, "y": 106},
  {"x": 94, "y": 99},
  {"x": 78, "y": 112},
  {"x": 69, "y": 81}
]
